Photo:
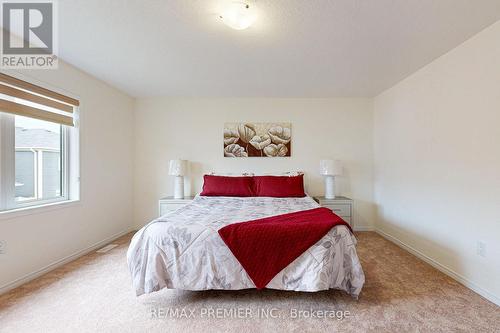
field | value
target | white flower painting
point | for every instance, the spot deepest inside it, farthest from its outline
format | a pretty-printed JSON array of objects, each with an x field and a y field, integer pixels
[{"x": 257, "y": 139}]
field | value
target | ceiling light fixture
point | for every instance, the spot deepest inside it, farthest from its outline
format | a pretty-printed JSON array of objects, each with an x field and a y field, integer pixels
[{"x": 238, "y": 15}]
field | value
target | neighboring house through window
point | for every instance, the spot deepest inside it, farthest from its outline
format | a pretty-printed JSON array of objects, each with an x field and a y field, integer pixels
[{"x": 39, "y": 168}]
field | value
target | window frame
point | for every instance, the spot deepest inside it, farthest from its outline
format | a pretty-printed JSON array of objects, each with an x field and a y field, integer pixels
[
  {"x": 64, "y": 178},
  {"x": 72, "y": 154},
  {"x": 70, "y": 169}
]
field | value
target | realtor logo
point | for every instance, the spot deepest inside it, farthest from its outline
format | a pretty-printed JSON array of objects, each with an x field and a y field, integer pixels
[{"x": 28, "y": 34}]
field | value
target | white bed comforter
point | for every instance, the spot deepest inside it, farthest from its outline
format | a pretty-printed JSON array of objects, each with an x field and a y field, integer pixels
[{"x": 183, "y": 250}]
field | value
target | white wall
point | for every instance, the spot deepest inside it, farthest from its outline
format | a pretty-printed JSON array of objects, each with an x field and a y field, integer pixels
[
  {"x": 37, "y": 240},
  {"x": 434, "y": 139},
  {"x": 192, "y": 129},
  {"x": 437, "y": 160}
]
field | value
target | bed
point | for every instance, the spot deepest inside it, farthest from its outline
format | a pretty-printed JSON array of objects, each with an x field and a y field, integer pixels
[{"x": 183, "y": 250}]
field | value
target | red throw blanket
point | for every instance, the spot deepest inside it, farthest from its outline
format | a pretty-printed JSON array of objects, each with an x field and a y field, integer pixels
[{"x": 264, "y": 247}]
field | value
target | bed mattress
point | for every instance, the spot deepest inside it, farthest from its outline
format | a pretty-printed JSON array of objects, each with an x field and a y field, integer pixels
[{"x": 183, "y": 250}]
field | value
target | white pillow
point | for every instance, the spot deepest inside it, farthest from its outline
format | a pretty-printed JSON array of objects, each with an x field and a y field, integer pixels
[
  {"x": 289, "y": 174},
  {"x": 244, "y": 174}
]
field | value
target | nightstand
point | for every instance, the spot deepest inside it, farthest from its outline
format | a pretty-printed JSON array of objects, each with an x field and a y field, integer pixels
[
  {"x": 341, "y": 206},
  {"x": 169, "y": 204}
]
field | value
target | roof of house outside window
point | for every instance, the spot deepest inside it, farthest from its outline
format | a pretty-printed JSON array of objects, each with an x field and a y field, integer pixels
[{"x": 37, "y": 138}]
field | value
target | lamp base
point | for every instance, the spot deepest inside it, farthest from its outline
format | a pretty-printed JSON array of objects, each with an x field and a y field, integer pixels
[
  {"x": 329, "y": 187},
  {"x": 179, "y": 187}
]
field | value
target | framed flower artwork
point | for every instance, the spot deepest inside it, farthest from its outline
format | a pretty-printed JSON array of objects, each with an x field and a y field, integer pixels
[{"x": 257, "y": 139}]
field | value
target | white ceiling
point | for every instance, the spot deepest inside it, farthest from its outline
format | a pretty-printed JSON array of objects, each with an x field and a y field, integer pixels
[{"x": 297, "y": 48}]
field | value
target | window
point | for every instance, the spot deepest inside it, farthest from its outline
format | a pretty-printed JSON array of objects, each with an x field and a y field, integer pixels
[
  {"x": 38, "y": 146},
  {"x": 39, "y": 162}
]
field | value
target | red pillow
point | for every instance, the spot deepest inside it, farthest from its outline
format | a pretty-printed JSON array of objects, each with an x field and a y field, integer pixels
[
  {"x": 227, "y": 186},
  {"x": 279, "y": 186}
]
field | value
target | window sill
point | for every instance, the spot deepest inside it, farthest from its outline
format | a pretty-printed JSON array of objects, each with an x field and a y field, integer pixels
[{"x": 30, "y": 210}]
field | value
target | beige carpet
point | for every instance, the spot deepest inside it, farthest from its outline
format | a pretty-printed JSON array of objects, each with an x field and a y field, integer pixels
[{"x": 402, "y": 293}]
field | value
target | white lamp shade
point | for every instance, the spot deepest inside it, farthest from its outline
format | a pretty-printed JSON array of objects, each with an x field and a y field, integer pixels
[
  {"x": 238, "y": 15},
  {"x": 177, "y": 168},
  {"x": 330, "y": 167}
]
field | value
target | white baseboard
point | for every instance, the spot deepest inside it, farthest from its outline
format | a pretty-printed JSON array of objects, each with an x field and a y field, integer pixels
[
  {"x": 33, "y": 275},
  {"x": 469, "y": 284},
  {"x": 363, "y": 228}
]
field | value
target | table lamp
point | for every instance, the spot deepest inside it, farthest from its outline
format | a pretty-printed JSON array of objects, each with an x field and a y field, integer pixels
[
  {"x": 178, "y": 168},
  {"x": 330, "y": 169}
]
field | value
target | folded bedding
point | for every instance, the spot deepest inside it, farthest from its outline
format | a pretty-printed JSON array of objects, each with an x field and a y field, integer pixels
[{"x": 266, "y": 246}]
